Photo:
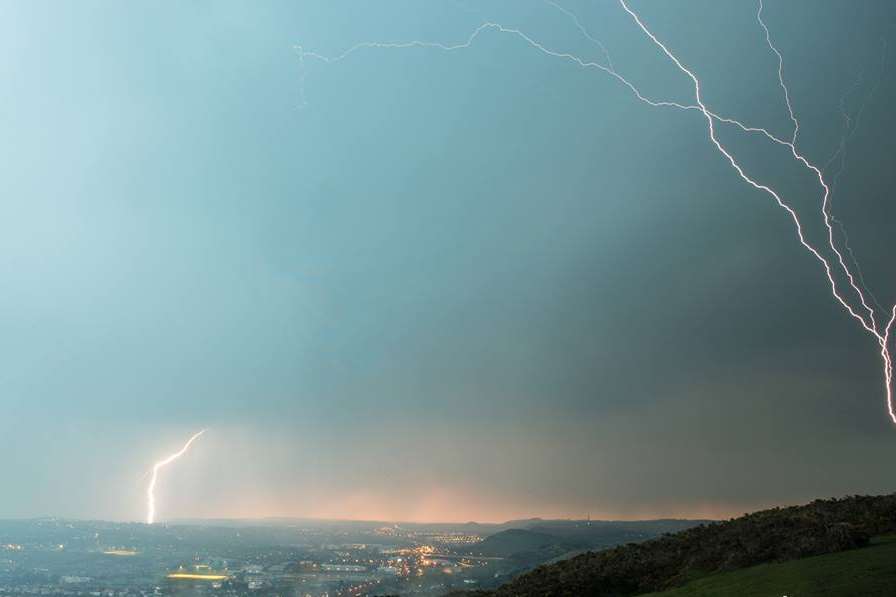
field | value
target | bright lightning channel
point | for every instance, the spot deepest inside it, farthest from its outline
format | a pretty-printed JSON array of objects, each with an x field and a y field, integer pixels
[
  {"x": 882, "y": 336},
  {"x": 150, "y": 490},
  {"x": 863, "y": 313}
]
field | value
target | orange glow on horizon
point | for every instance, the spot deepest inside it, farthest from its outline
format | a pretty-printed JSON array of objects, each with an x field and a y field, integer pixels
[{"x": 451, "y": 505}]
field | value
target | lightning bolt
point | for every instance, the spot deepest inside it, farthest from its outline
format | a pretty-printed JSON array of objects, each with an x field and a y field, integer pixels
[
  {"x": 850, "y": 124},
  {"x": 771, "y": 45},
  {"x": 584, "y": 31},
  {"x": 150, "y": 489},
  {"x": 833, "y": 268},
  {"x": 869, "y": 325}
]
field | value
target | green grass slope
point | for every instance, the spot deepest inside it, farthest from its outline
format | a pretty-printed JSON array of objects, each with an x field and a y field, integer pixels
[{"x": 867, "y": 571}]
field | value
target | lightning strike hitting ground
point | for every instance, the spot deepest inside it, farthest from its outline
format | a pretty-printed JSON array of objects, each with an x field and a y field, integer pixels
[
  {"x": 150, "y": 490},
  {"x": 834, "y": 265}
]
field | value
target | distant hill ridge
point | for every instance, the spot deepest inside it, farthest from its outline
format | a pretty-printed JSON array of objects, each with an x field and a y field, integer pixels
[
  {"x": 775, "y": 535},
  {"x": 559, "y": 536},
  {"x": 514, "y": 541}
]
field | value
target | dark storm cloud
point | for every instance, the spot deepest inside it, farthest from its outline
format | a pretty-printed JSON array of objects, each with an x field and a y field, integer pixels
[{"x": 562, "y": 300}]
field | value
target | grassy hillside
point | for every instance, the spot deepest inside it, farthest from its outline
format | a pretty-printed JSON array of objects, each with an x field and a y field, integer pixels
[
  {"x": 549, "y": 541},
  {"x": 706, "y": 552},
  {"x": 868, "y": 571}
]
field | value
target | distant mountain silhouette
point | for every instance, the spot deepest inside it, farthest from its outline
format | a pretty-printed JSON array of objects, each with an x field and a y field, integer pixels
[
  {"x": 559, "y": 536},
  {"x": 514, "y": 542}
]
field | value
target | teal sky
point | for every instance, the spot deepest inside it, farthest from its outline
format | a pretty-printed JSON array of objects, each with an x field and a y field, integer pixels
[{"x": 418, "y": 284}]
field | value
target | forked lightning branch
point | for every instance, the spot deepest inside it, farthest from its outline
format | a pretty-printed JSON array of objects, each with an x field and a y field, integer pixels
[{"x": 846, "y": 286}]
